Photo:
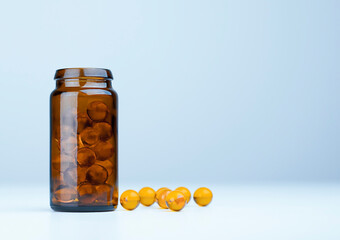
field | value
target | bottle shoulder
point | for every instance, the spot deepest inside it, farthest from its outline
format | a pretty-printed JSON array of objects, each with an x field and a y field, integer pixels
[{"x": 84, "y": 91}]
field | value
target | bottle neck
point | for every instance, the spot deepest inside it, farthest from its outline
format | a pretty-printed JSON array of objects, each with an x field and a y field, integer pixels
[{"x": 84, "y": 83}]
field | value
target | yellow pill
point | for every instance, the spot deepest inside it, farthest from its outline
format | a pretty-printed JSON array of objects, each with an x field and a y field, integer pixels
[
  {"x": 159, "y": 191},
  {"x": 203, "y": 196},
  {"x": 162, "y": 198},
  {"x": 147, "y": 196},
  {"x": 176, "y": 200},
  {"x": 129, "y": 199},
  {"x": 186, "y": 193}
]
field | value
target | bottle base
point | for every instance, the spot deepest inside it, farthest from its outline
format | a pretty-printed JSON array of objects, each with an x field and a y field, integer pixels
[{"x": 83, "y": 208}]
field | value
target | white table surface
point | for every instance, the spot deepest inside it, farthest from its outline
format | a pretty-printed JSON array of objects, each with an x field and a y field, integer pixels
[{"x": 304, "y": 211}]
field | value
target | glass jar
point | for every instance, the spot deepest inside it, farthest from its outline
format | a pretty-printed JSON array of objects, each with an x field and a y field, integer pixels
[{"x": 83, "y": 143}]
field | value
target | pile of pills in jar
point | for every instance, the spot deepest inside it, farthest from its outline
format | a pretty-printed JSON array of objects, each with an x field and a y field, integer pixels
[
  {"x": 84, "y": 164},
  {"x": 174, "y": 200}
]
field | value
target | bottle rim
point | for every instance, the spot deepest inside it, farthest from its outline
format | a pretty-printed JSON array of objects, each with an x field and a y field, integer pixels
[{"x": 83, "y": 73}]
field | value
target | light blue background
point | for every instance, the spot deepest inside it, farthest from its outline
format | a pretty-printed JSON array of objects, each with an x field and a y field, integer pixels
[{"x": 210, "y": 91}]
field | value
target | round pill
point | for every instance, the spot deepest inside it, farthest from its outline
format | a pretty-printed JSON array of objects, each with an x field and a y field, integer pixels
[
  {"x": 129, "y": 199},
  {"x": 97, "y": 110},
  {"x": 96, "y": 174},
  {"x": 162, "y": 198},
  {"x": 86, "y": 157},
  {"x": 186, "y": 193},
  {"x": 203, "y": 196},
  {"x": 147, "y": 196},
  {"x": 159, "y": 191},
  {"x": 176, "y": 200}
]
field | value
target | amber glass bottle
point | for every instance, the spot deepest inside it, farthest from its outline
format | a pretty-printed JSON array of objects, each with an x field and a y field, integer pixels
[{"x": 83, "y": 164}]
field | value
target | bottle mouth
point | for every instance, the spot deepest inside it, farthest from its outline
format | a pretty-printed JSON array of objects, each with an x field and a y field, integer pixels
[{"x": 83, "y": 73}]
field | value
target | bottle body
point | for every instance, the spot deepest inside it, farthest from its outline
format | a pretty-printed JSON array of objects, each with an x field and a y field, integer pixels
[{"x": 83, "y": 143}]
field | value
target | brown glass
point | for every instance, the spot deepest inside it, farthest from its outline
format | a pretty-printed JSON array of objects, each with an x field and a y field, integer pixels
[{"x": 83, "y": 164}]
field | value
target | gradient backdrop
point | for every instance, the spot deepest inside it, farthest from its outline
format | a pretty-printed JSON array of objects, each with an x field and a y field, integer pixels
[{"x": 210, "y": 91}]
